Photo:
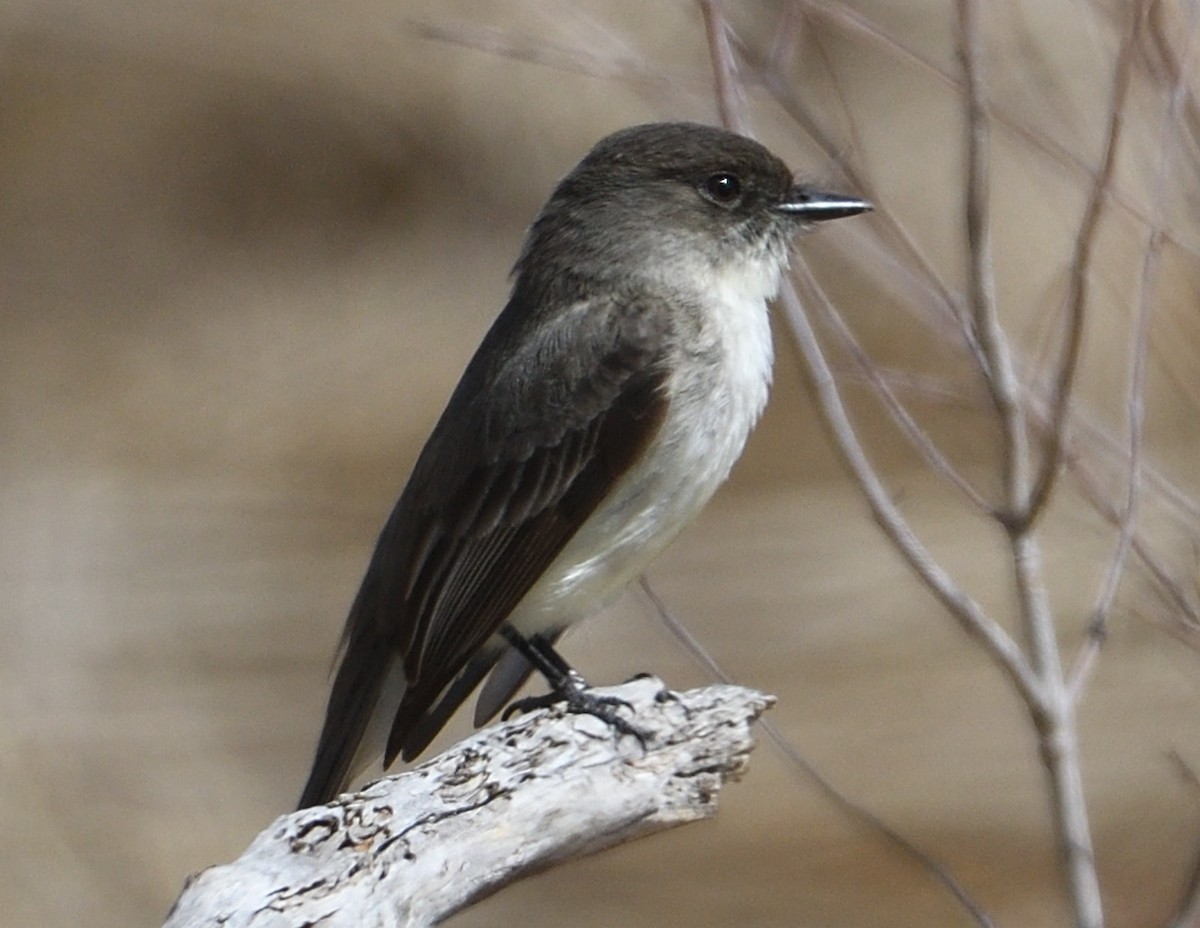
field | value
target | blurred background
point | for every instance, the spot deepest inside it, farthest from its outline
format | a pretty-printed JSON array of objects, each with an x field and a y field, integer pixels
[{"x": 245, "y": 252}]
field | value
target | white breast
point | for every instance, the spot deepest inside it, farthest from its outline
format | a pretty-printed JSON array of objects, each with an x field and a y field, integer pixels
[{"x": 715, "y": 402}]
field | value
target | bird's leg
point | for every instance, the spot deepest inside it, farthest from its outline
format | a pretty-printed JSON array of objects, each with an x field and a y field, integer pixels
[{"x": 566, "y": 686}]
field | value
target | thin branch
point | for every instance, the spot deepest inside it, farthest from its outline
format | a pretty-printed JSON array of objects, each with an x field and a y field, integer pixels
[
  {"x": 632, "y": 70},
  {"x": 784, "y": 93},
  {"x": 1089, "y": 483},
  {"x": 870, "y": 371},
  {"x": 629, "y": 69},
  {"x": 784, "y": 37},
  {"x": 994, "y": 356},
  {"x": 961, "y": 606},
  {"x": 772, "y": 68},
  {"x": 1166, "y": 585},
  {"x": 731, "y": 100},
  {"x": 804, "y": 767},
  {"x": 853, "y": 20},
  {"x": 1058, "y": 736},
  {"x": 1187, "y": 915},
  {"x": 1053, "y": 716},
  {"x": 1078, "y": 286},
  {"x": 1098, "y": 626},
  {"x": 1186, "y": 508},
  {"x": 926, "y": 386},
  {"x": 1160, "y": 31},
  {"x": 858, "y": 23}
]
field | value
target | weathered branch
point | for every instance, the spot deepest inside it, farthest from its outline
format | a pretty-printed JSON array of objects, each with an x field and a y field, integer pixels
[{"x": 516, "y": 798}]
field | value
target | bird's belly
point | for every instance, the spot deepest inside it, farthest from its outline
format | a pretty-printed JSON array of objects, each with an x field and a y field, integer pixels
[
  {"x": 616, "y": 544},
  {"x": 712, "y": 412}
]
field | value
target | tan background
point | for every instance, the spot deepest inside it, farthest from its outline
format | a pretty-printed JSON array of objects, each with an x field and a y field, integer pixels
[{"x": 245, "y": 250}]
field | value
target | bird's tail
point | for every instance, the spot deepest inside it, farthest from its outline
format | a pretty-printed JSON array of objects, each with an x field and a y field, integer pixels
[{"x": 345, "y": 746}]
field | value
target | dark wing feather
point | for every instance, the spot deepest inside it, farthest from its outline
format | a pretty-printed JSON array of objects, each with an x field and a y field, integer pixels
[
  {"x": 523, "y": 454},
  {"x": 494, "y": 569},
  {"x": 356, "y": 689},
  {"x": 511, "y": 670}
]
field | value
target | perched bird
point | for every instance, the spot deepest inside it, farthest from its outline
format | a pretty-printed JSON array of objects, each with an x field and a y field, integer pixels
[{"x": 606, "y": 404}]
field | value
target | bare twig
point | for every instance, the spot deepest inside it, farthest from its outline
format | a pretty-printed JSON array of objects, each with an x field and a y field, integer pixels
[
  {"x": 784, "y": 37},
  {"x": 858, "y": 23},
  {"x": 1077, "y": 289},
  {"x": 1084, "y": 468},
  {"x": 630, "y": 69},
  {"x": 730, "y": 97},
  {"x": 1187, "y": 915},
  {"x": 1097, "y": 627},
  {"x": 803, "y": 766},
  {"x": 1167, "y": 586},
  {"x": 965, "y": 610},
  {"x": 994, "y": 356},
  {"x": 1163, "y": 58},
  {"x": 870, "y": 371},
  {"x": 1054, "y": 712},
  {"x": 1099, "y": 440},
  {"x": 785, "y": 94}
]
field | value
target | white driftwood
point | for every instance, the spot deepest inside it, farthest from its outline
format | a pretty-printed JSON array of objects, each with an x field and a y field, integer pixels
[{"x": 413, "y": 849}]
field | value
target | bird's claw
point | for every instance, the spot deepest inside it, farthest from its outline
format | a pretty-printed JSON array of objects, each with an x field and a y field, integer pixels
[{"x": 580, "y": 700}]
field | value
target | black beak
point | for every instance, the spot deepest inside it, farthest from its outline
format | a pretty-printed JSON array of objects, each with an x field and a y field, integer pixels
[{"x": 810, "y": 205}]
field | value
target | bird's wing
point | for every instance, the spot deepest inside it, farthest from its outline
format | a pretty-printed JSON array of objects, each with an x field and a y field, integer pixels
[{"x": 522, "y": 456}]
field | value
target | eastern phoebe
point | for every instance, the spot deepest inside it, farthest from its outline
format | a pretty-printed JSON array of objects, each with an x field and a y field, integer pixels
[{"x": 604, "y": 407}]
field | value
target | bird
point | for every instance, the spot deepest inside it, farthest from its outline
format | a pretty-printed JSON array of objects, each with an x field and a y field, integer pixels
[{"x": 603, "y": 408}]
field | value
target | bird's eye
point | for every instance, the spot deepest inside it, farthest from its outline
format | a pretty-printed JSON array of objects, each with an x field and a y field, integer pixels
[{"x": 723, "y": 188}]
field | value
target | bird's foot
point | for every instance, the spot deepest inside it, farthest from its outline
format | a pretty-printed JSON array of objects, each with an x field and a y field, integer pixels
[{"x": 580, "y": 700}]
